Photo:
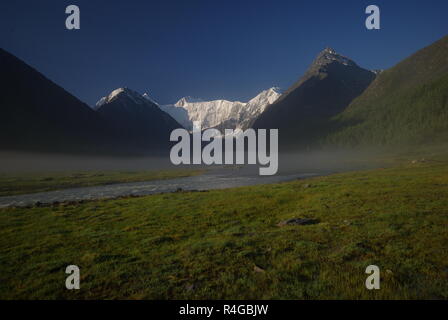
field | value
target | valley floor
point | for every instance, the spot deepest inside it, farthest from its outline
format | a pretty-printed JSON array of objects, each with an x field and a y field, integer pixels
[{"x": 226, "y": 244}]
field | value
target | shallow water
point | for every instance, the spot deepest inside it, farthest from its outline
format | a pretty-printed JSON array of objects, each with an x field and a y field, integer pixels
[{"x": 213, "y": 179}]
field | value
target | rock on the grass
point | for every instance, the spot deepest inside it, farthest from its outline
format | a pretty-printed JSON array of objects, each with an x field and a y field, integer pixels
[
  {"x": 297, "y": 222},
  {"x": 259, "y": 269}
]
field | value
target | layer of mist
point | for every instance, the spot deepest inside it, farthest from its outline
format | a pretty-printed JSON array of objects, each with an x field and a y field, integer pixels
[{"x": 319, "y": 162}]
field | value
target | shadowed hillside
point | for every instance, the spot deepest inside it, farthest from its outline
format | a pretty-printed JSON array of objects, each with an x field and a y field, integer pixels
[
  {"x": 329, "y": 85},
  {"x": 37, "y": 114},
  {"x": 405, "y": 105}
]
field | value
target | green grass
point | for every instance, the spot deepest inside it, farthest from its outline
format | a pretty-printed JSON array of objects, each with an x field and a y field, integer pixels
[
  {"x": 204, "y": 245},
  {"x": 12, "y": 184}
]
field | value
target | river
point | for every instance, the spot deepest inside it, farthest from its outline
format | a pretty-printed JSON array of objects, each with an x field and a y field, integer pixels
[{"x": 212, "y": 179}]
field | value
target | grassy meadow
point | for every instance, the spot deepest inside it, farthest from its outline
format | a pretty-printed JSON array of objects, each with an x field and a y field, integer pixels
[{"x": 226, "y": 244}]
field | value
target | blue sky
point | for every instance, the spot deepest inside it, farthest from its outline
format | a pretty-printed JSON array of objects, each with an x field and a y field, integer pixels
[{"x": 210, "y": 49}]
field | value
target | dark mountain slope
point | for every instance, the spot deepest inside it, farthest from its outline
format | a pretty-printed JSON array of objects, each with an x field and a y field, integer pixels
[
  {"x": 406, "y": 105},
  {"x": 329, "y": 85},
  {"x": 140, "y": 121},
  {"x": 36, "y": 114}
]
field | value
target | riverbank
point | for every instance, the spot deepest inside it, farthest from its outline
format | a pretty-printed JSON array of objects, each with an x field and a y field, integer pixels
[
  {"x": 198, "y": 180},
  {"x": 27, "y": 183}
]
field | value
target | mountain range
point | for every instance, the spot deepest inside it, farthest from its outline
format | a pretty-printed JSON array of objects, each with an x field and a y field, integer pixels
[
  {"x": 221, "y": 114},
  {"x": 39, "y": 115},
  {"x": 335, "y": 103}
]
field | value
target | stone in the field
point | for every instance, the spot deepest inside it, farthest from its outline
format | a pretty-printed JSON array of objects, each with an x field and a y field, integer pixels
[{"x": 297, "y": 222}]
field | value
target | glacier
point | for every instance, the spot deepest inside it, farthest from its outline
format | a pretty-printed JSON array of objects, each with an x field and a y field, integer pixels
[{"x": 221, "y": 114}]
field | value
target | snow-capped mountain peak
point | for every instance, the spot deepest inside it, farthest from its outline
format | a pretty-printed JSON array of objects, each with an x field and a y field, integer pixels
[
  {"x": 266, "y": 96},
  {"x": 121, "y": 93},
  {"x": 329, "y": 55},
  {"x": 186, "y": 100},
  {"x": 221, "y": 113}
]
